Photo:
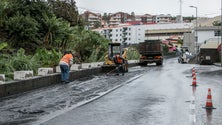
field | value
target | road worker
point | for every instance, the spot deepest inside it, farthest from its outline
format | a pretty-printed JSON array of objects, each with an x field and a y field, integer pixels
[
  {"x": 65, "y": 64},
  {"x": 119, "y": 62}
]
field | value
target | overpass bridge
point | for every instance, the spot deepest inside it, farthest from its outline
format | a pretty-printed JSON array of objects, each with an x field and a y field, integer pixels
[{"x": 166, "y": 33}]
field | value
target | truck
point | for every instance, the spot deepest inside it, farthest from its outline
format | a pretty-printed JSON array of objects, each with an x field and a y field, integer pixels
[
  {"x": 209, "y": 53},
  {"x": 151, "y": 51}
]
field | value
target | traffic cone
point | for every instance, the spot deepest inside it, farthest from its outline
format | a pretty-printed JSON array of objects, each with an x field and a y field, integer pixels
[
  {"x": 209, "y": 104},
  {"x": 194, "y": 83}
]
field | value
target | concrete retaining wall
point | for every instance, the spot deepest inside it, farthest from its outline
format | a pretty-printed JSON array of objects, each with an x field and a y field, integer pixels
[
  {"x": 2, "y": 78},
  {"x": 35, "y": 82},
  {"x": 19, "y": 86}
]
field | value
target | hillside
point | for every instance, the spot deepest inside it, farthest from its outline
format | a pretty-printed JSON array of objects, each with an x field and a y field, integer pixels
[{"x": 203, "y": 21}]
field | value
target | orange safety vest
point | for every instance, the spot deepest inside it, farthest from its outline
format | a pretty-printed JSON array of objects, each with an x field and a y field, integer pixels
[
  {"x": 67, "y": 58},
  {"x": 119, "y": 59}
]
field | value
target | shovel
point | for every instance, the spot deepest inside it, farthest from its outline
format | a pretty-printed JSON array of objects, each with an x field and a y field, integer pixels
[{"x": 111, "y": 71}]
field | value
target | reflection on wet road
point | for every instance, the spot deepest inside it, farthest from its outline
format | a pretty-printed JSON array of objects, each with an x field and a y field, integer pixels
[{"x": 163, "y": 95}]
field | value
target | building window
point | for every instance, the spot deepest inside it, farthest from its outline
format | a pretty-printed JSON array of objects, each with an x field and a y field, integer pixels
[{"x": 217, "y": 33}]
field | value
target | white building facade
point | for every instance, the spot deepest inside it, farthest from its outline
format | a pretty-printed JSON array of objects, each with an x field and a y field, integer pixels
[
  {"x": 206, "y": 33},
  {"x": 133, "y": 34}
]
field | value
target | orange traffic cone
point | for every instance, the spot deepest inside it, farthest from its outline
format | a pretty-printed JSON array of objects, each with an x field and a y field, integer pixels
[
  {"x": 209, "y": 104},
  {"x": 194, "y": 83}
]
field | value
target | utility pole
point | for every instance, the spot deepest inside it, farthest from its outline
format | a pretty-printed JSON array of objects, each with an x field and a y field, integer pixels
[
  {"x": 181, "y": 18},
  {"x": 196, "y": 37},
  {"x": 221, "y": 35}
]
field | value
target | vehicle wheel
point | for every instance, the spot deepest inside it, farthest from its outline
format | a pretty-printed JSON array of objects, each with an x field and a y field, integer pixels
[{"x": 159, "y": 63}]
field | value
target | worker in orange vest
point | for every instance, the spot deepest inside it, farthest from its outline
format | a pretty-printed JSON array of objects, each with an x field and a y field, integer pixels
[
  {"x": 119, "y": 61},
  {"x": 65, "y": 64}
]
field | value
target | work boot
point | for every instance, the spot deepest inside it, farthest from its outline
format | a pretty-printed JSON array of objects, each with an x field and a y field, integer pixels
[{"x": 66, "y": 82}]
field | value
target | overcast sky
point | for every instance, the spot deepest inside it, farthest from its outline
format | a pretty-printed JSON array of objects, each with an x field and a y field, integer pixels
[{"x": 206, "y": 8}]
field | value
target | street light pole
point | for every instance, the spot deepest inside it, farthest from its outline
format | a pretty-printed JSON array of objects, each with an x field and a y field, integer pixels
[
  {"x": 196, "y": 38},
  {"x": 221, "y": 36}
]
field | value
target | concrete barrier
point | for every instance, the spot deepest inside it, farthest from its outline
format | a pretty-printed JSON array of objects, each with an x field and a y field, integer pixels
[
  {"x": 133, "y": 61},
  {"x": 58, "y": 69},
  {"x": 18, "y": 86},
  {"x": 96, "y": 64},
  {"x": 22, "y": 75},
  {"x": 100, "y": 63},
  {"x": 45, "y": 71},
  {"x": 76, "y": 67},
  {"x": 2, "y": 78},
  {"x": 30, "y": 82},
  {"x": 86, "y": 65}
]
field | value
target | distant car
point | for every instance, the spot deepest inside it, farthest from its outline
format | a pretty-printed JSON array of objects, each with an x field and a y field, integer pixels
[
  {"x": 185, "y": 55},
  {"x": 182, "y": 59}
]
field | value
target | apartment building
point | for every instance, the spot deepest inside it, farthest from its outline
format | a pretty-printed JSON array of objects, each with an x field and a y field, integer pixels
[
  {"x": 133, "y": 34},
  {"x": 119, "y": 18},
  {"x": 127, "y": 34},
  {"x": 162, "y": 18},
  {"x": 93, "y": 20},
  {"x": 144, "y": 19}
]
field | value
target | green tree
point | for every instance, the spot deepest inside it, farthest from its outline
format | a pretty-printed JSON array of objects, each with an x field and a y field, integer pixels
[
  {"x": 88, "y": 43},
  {"x": 216, "y": 23},
  {"x": 22, "y": 30},
  {"x": 65, "y": 9},
  {"x": 97, "y": 24},
  {"x": 47, "y": 58},
  {"x": 106, "y": 17},
  {"x": 3, "y": 7},
  {"x": 56, "y": 31}
]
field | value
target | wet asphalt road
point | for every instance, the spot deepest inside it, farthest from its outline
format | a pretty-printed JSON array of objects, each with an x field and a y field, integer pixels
[
  {"x": 46, "y": 103},
  {"x": 161, "y": 96},
  {"x": 145, "y": 96}
]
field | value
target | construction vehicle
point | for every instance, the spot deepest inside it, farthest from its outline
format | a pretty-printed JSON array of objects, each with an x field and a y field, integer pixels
[
  {"x": 114, "y": 49},
  {"x": 151, "y": 52}
]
